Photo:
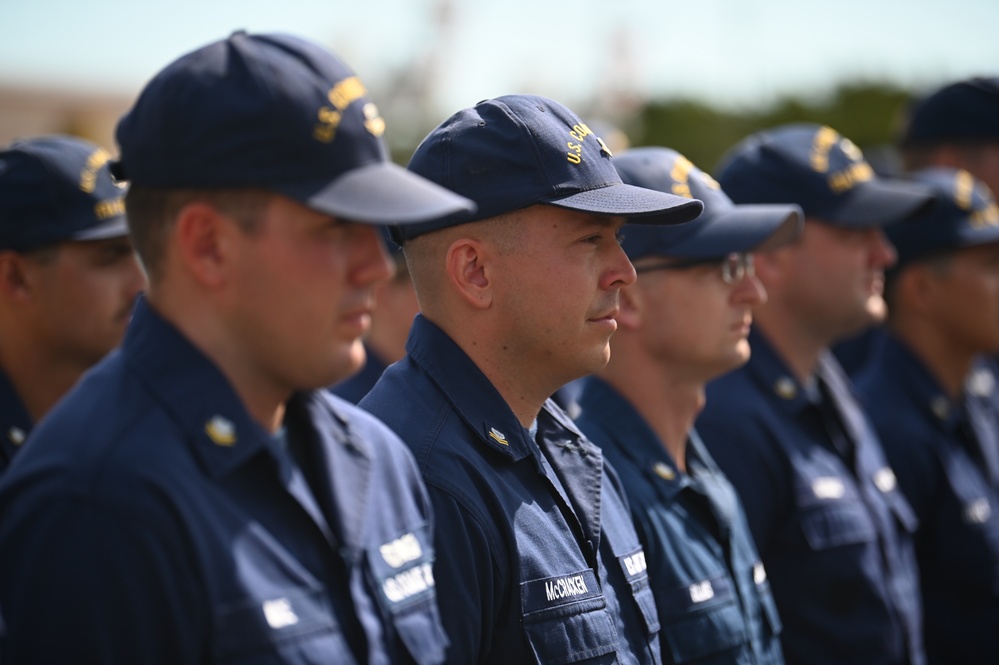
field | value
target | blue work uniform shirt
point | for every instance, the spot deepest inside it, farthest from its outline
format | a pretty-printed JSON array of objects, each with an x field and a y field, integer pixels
[
  {"x": 537, "y": 557},
  {"x": 151, "y": 520},
  {"x": 711, "y": 591},
  {"x": 15, "y": 423},
  {"x": 354, "y": 388},
  {"x": 946, "y": 456},
  {"x": 829, "y": 521}
]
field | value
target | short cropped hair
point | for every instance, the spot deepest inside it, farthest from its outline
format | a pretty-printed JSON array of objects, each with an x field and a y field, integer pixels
[{"x": 152, "y": 213}]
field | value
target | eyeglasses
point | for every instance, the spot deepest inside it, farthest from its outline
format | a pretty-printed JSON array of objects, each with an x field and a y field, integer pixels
[{"x": 734, "y": 267}]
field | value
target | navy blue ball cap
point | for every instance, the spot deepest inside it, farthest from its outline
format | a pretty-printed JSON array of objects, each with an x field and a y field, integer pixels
[
  {"x": 824, "y": 173},
  {"x": 723, "y": 227},
  {"x": 274, "y": 112},
  {"x": 966, "y": 215},
  {"x": 517, "y": 151},
  {"x": 55, "y": 189},
  {"x": 963, "y": 112}
]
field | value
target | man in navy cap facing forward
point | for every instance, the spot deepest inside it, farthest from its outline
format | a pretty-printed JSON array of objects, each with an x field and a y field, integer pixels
[
  {"x": 682, "y": 323},
  {"x": 938, "y": 429},
  {"x": 832, "y": 527},
  {"x": 538, "y": 561},
  {"x": 200, "y": 497},
  {"x": 68, "y": 275}
]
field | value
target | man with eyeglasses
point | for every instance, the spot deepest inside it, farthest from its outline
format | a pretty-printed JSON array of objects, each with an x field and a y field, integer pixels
[
  {"x": 682, "y": 323},
  {"x": 832, "y": 528}
]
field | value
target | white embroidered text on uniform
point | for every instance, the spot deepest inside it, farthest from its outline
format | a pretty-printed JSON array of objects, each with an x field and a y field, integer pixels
[
  {"x": 409, "y": 583},
  {"x": 701, "y": 592},
  {"x": 401, "y": 551},
  {"x": 565, "y": 587},
  {"x": 279, "y": 613}
]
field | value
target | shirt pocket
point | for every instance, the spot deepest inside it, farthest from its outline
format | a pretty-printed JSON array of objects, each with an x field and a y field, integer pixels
[
  {"x": 635, "y": 570},
  {"x": 704, "y": 619},
  {"x": 296, "y": 621},
  {"x": 566, "y": 620},
  {"x": 403, "y": 572},
  {"x": 843, "y": 556},
  {"x": 838, "y": 523}
]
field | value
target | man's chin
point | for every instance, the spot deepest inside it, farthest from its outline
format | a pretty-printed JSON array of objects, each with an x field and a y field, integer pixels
[{"x": 877, "y": 310}]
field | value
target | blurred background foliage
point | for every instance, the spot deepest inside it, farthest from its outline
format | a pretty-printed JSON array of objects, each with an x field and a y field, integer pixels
[{"x": 870, "y": 114}]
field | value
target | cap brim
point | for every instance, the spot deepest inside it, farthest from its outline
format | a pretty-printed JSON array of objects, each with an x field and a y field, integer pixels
[
  {"x": 115, "y": 227},
  {"x": 741, "y": 228},
  {"x": 640, "y": 205},
  {"x": 881, "y": 202},
  {"x": 385, "y": 193}
]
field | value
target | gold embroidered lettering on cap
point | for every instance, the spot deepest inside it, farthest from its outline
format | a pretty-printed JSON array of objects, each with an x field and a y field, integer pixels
[
  {"x": 111, "y": 208},
  {"x": 221, "y": 431},
  {"x": 346, "y": 92},
  {"x": 849, "y": 177},
  {"x": 88, "y": 177},
  {"x": 329, "y": 120},
  {"x": 579, "y": 133},
  {"x": 823, "y": 142},
  {"x": 679, "y": 174}
]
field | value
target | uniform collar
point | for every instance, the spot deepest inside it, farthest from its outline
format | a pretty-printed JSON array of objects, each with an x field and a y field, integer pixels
[
  {"x": 200, "y": 399},
  {"x": 773, "y": 375},
  {"x": 194, "y": 391},
  {"x": 915, "y": 378},
  {"x": 468, "y": 390},
  {"x": 15, "y": 423},
  {"x": 602, "y": 405}
]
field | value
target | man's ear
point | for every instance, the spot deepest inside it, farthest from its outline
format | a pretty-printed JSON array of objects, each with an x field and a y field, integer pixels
[
  {"x": 915, "y": 285},
  {"x": 770, "y": 266},
  {"x": 632, "y": 307},
  {"x": 200, "y": 241},
  {"x": 15, "y": 277},
  {"x": 469, "y": 269}
]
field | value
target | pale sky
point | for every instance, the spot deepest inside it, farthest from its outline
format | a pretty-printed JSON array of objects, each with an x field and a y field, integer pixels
[{"x": 585, "y": 53}]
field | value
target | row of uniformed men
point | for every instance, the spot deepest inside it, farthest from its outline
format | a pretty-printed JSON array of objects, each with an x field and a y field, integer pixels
[{"x": 198, "y": 497}]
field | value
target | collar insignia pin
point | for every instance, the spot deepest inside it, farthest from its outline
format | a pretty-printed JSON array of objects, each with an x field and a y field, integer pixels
[
  {"x": 664, "y": 471},
  {"x": 498, "y": 436},
  {"x": 221, "y": 431},
  {"x": 785, "y": 387}
]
